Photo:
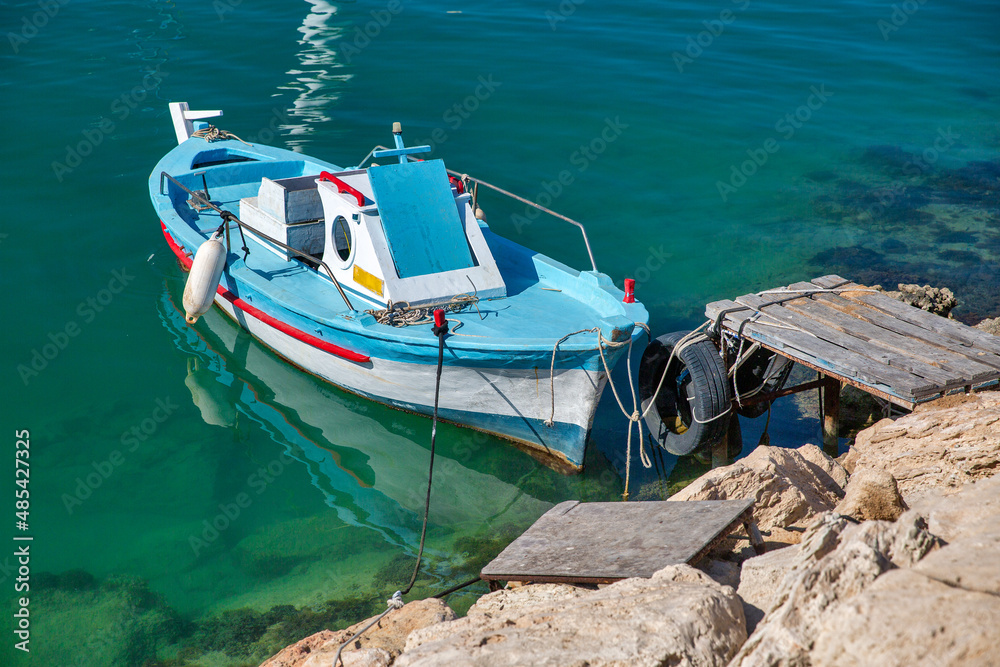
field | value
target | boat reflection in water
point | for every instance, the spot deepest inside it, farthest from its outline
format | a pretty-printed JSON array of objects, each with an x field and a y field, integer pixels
[{"x": 372, "y": 476}]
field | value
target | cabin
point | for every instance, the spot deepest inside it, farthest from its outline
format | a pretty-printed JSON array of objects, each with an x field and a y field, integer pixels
[{"x": 399, "y": 233}]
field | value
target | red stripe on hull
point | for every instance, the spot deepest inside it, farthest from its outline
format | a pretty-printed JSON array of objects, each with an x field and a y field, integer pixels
[{"x": 253, "y": 311}]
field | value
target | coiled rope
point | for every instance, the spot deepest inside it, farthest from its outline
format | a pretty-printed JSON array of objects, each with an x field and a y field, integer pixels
[
  {"x": 212, "y": 133},
  {"x": 403, "y": 315}
]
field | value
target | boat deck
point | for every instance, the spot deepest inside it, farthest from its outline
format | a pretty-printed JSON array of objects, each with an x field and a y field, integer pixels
[{"x": 536, "y": 287}]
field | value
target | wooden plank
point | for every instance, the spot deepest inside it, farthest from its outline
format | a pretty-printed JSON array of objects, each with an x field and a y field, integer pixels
[
  {"x": 881, "y": 391},
  {"x": 602, "y": 542},
  {"x": 885, "y": 360},
  {"x": 713, "y": 309},
  {"x": 962, "y": 368},
  {"x": 926, "y": 337},
  {"x": 834, "y": 360},
  {"x": 955, "y": 331}
]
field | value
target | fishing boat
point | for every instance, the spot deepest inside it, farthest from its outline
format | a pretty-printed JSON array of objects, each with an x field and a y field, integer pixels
[{"x": 338, "y": 270}]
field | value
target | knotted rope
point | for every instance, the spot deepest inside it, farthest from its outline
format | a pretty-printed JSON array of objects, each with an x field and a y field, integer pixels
[
  {"x": 212, "y": 133},
  {"x": 633, "y": 417}
]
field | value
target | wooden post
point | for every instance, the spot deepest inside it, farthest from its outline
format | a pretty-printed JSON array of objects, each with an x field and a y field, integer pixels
[
  {"x": 756, "y": 539},
  {"x": 720, "y": 452},
  {"x": 831, "y": 415}
]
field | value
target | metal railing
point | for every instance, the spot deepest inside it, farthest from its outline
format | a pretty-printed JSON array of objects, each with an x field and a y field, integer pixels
[
  {"x": 228, "y": 217},
  {"x": 541, "y": 208}
]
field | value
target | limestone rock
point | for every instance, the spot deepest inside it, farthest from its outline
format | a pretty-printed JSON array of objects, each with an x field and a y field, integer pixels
[
  {"x": 972, "y": 513},
  {"x": 887, "y": 593},
  {"x": 679, "y": 617},
  {"x": 837, "y": 562},
  {"x": 829, "y": 472},
  {"x": 991, "y": 325},
  {"x": 943, "y": 444},
  {"x": 937, "y": 300},
  {"x": 905, "y": 619},
  {"x": 942, "y": 610},
  {"x": 724, "y": 572},
  {"x": 376, "y": 648},
  {"x": 514, "y": 600},
  {"x": 760, "y": 581},
  {"x": 789, "y": 485},
  {"x": 872, "y": 495},
  {"x": 970, "y": 522}
]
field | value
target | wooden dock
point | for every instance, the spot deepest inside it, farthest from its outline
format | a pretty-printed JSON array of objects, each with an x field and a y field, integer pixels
[
  {"x": 856, "y": 335},
  {"x": 599, "y": 543}
]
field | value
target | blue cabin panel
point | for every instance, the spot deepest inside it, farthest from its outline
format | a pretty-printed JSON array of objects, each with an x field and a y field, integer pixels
[{"x": 420, "y": 219}]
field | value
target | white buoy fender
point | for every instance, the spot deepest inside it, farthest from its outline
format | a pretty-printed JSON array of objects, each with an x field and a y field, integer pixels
[{"x": 203, "y": 280}]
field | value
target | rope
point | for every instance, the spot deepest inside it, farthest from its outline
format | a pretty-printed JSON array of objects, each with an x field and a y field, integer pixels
[
  {"x": 693, "y": 337},
  {"x": 634, "y": 417},
  {"x": 440, "y": 333},
  {"x": 397, "y": 315},
  {"x": 212, "y": 133},
  {"x": 457, "y": 588},
  {"x": 552, "y": 373},
  {"x": 396, "y": 601},
  {"x": 393, "y": 603},
  {"x": 817, "y": 290}
]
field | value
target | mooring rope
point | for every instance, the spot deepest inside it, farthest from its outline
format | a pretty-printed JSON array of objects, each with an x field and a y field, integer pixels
[
  {"x": 396, "y": 601},
  {"x": 552, "y": 372},
  {"x": 393, "y": 603},
  {"x": 689, "y": 339},
  {"x": 212, "y": 133},
  {"x": 633, "y": 417}
]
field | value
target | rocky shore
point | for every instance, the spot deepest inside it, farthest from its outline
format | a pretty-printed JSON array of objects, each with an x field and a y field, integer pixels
[{"x": 890, "y": 556}]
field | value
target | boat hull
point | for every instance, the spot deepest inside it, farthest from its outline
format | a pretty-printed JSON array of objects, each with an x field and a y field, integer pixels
[{"x": 513, "y": 403}]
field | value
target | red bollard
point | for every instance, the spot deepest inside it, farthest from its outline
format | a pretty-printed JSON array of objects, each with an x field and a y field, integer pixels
[
  {"x": 629, "y": 291},
  {"x": 440, "y": 327}
]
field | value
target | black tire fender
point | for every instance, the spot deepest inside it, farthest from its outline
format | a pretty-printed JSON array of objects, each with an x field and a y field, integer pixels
[
  {"x": 763, "y": 372},
  {"x": 696, "y": 392}
]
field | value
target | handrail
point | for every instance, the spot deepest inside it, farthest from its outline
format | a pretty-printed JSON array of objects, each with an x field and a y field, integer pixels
[
  {"x": 343, "y": 187},
  {"x": 479, "y": 181},
  {"x": 228, "y": 216},
  {"x": 583, "y": 230}
]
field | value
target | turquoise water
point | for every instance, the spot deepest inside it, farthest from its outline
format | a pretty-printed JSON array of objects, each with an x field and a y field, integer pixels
[{"x": 711, "y": 149}]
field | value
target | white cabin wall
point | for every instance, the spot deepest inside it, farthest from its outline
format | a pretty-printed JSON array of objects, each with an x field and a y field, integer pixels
[{"x": 362, "y": 252}]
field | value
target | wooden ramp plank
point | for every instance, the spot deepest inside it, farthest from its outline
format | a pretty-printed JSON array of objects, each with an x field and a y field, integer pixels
[
  {"x": 942, "y": 326},
  {"x": 604, "y": 542},
  {"x": 800, "y": 348},
  {"x": 836, "y": 354},
  {"x": 876, "y": 353},
  {"x": 958, "y": 367},
  {"x": 926, "y": 337}
]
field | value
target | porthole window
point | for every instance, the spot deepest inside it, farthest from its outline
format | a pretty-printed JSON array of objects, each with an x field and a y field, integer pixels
[{"x": 342, "y": 238}]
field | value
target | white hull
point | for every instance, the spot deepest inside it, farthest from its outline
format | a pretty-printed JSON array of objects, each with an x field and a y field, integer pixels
[{"x": 512, "y": 403}]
